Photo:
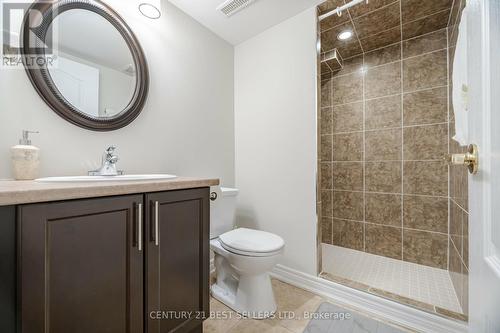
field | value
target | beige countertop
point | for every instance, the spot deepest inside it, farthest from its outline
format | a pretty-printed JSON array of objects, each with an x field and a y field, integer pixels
[{"x": 23, "y": 192}]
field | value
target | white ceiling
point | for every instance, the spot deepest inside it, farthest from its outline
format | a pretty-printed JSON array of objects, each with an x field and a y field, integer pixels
[
  {"x": 249, "y": 22},
  {"x": 98, "y": 41}
]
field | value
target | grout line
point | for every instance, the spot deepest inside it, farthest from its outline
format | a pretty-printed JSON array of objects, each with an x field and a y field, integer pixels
[
  {"x": 448, "y": 136},
  {"x": 459, "y": 253},
  {"x": 364, "y": 158},
  {"x": 388, "y": 225},
  {"x": 451, "y": 12},
  {"x": 402, "y": 132},
  {"x": 403, "y": 40},
  {"x": 455, "y": 24},
  {"x": 381, "y": 161},
  {"x": 426, "y": 16},
  {"x": 389, "y": 193},
  {"x": 459, "y": 206},
  {"x": 393, "y": 62},
  {"x": 357, "y": 17},
  {"x": 386, "y": 129},
  {"x": 355, "y": 30}
]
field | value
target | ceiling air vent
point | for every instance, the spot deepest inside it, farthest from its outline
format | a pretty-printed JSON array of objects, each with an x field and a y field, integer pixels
[{"x": 231, "y": 7}]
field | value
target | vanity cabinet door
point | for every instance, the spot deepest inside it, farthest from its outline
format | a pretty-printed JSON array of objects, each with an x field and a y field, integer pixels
[
  {"x": 177, "y": 264},
  {"x": 81, "y": 266}
]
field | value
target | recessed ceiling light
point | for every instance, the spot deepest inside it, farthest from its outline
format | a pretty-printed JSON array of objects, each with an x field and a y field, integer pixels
[
  {"x": 150, "y": 9},
  {"x": 344, "y": 35}
]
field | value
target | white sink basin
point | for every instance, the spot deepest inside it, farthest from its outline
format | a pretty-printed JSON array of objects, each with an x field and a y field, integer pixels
[{"x": 103, "y": 178}]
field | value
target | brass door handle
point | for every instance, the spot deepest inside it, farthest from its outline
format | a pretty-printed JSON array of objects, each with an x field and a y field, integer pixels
[{"x": 470, "y": 159}]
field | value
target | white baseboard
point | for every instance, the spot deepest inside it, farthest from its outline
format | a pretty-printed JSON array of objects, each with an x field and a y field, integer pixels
[{"x": 375, "y": 306}]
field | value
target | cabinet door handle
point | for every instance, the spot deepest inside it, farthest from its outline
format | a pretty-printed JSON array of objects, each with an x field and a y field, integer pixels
[
  {"x": 139, "y": 226},
  {"x": 157, "y": 218}
]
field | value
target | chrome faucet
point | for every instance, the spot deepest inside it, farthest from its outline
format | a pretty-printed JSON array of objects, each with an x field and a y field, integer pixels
[{"x": 108, "y": 164}]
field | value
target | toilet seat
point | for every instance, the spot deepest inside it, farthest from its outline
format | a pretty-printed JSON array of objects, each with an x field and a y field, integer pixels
[{"x": 252, "y": 243}]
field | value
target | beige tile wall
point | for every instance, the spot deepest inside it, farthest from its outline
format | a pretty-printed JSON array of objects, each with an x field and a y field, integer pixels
[
  {"x": 384, "y": 133},
  {"x": 459, "y": 211}
]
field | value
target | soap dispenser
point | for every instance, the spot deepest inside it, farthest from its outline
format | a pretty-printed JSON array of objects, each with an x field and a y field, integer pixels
[{"x": 25, "y": 159}]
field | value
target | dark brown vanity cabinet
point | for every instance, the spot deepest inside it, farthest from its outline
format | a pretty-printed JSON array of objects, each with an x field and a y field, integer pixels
[
  {"x": 177, "y": 269},
  {"x": 104, "y": 264}
]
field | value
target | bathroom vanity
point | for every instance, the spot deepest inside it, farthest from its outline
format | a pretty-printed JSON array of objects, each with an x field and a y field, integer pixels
[{"x": 127, "y": 256}]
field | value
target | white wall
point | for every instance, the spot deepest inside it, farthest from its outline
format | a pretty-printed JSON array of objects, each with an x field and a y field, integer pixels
[
  {"x": 275, "y": 127},
  {"x": 186, "y": 128}
]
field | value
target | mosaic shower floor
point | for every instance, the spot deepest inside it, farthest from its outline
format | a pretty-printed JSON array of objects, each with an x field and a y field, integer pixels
[{"x": 421, "y": 286}]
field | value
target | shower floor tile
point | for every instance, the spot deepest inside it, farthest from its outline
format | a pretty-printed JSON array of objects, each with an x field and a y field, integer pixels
[{"x": 417, "y": 282}]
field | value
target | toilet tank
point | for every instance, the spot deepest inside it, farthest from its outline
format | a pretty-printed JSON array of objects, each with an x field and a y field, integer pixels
[{"x": 222, "y": 211}]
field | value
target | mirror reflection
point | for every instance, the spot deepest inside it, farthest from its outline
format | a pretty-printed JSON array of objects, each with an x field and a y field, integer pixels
[{"x": 94, "y": 69}]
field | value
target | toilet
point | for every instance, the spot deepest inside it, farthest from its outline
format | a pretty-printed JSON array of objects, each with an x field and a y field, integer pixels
[{"x": 243, "y": 259}]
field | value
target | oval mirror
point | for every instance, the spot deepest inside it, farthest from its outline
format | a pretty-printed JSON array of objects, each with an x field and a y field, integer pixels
[{"x": 85, "y": 62}]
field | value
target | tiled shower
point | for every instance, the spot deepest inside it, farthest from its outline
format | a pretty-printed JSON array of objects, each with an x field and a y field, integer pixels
[{"x": 386, "y": 193}]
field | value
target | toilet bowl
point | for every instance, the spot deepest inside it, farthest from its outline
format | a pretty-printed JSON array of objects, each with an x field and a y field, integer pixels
[{"x": 243, "y": 259}]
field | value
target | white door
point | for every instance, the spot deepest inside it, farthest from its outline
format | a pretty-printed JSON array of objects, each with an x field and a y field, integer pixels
[
  {"x": 484, "y": 188},
  {"x": 78, "y": 83}
]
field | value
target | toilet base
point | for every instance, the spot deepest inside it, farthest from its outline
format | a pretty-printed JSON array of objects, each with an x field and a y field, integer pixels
[{"x": 249, "y": 296}]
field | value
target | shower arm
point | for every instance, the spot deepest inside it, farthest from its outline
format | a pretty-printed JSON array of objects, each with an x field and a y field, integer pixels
[{"x": 340, "y": 9}]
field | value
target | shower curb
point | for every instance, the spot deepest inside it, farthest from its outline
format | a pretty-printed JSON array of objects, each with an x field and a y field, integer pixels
[{"x": 369, "y": 304}]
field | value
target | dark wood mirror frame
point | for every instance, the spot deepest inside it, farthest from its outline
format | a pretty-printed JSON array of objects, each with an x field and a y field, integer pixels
[{"x": 46, "y": 88}]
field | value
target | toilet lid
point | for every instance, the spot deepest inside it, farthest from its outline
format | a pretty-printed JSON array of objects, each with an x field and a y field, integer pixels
[{"x": 252, "y": 241}]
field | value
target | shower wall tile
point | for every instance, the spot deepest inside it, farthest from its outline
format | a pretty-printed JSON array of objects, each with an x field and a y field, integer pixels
[
  {"x": 427, "y": 43},
  {"x": 351, "y": 65},
  {"x": 425, "y": 107},
  {"x": 326, "y": 176},
  {"x": 326, "y": 230},
  {"x": 426, "y": 178},
  {"x": 348, "y": 117},
  {"x": 383, "y": 80},
  {"x": 425, "y": 213},
  {"x": 378, "y": 20},
  {"x": 347, "y": 88},
  {"x": 326, "y": 120},
  {"x": 456, "y": 224},
  {"x": 384, "y": 112},
  {"x": 455, "y": 270},
  {"x": 329, "y": 5},
  {"x": 383, "y": 177},
  {"x": 348, "y": 205},
  {"x": 426, "y": 142},
  {"x": 427, "y": 24},
  {"x": 459, "y": 181},
  {"x": 348, "y": 147},
  {"x": 425, "y": 71},
  {"x": 326, "y": 93},
  {"x": 426, "y": 248},
  {"x": 348, "y": 176},
  {"x": 465, "y": 238},
  {"x": 327, "y": 203},
  {"x": 347, "y": 234},
  {"x": 383, "y": 56},
  {"x": 326, "y": 148},
  {"x": 382, "y": 38},
  {"x": 324, "y": 68},
  {"x": 383, "y": 209},
  {"x": 383, "y": 145},
  {"x": 415, "y": 9},
  {"x": 383, "y": 180},
  {"x": 369, "y": 7},
  {"x": 459, "y": 217},
  {"x": 383, "y": 240}
]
